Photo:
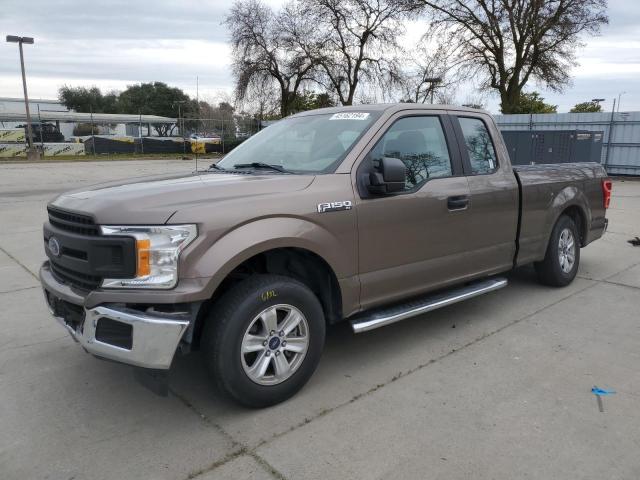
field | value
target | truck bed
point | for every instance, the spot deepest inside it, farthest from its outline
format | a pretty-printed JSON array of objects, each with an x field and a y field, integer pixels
[{"x": 544, "y": 191}]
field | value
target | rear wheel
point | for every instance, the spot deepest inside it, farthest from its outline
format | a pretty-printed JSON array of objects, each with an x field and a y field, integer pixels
[
  {"x": 561, "y": 261},
  {"x": 263, "y": 339}
]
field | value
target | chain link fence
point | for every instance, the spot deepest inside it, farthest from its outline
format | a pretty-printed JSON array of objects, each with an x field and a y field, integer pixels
[{"x": 149, "y": 137}]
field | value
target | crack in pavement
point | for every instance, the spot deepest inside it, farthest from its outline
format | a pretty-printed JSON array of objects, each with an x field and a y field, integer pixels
[
  {"x": 419, "y": 367},
  {"x": 18, "y": 232},
  {"x": 607, "y": 279},
  {"x": 16, "y": 347},
  {"x": 19, "y": 289},
  {"x": 619, "y": 284},
  {"x": 245, "y": 450},
  {"x": 19, "y": 263},
  {"x": 239, "y": 448}
]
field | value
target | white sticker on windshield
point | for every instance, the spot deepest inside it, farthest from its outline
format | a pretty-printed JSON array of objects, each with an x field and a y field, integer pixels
[{"x": 349, "y": 116}]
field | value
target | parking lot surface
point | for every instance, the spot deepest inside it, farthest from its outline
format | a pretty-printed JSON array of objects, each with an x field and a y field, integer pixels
[{"x": 495, "y": 387}]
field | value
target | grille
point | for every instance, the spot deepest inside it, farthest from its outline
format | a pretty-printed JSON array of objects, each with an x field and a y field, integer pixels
[
  {"x": 77, "y": 279},
  {"x": 73, "y": 222}
]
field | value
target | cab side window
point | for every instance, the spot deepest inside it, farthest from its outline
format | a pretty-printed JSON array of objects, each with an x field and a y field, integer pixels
[
  {"x": 482, "y": 154},
  {"x": 420, "y": 143}
]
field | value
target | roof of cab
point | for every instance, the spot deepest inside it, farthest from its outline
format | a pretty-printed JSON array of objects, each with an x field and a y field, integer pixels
[{"x": 390, "y": 107}]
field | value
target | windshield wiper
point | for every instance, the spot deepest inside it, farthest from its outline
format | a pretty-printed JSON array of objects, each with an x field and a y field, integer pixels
[
  {"x": 216, "y": 167},
  {"x": 268, "y": 166}
]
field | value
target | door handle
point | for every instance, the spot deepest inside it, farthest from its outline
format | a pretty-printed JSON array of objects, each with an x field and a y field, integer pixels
[{"x": 458, "y": 202}]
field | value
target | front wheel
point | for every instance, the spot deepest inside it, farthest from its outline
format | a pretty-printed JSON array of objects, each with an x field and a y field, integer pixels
[
  {"x": 263, "y": 339},
  {"x": 561, "y": 261}
]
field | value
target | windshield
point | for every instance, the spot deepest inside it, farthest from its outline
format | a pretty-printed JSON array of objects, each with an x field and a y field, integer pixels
[{"x": 309, "y": 144}]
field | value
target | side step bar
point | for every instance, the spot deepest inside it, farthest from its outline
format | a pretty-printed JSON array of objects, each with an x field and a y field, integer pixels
[{"x": 388, "y": 315}]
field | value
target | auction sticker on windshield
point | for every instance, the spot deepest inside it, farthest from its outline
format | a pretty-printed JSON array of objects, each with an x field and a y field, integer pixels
[{"x": 349, "y": 116}]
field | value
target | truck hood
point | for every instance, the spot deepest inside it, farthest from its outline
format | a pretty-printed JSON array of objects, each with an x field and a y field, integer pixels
[{"x": 154, "y": 199}]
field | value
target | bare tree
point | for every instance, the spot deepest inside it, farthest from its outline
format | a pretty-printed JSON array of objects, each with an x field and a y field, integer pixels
[
  {"x": 262, "y": 49},
  {"x": 509, "y": 42},
  {"x": 263, "y": 99},
  {"x": 445, "y": 97},
  {"x": 430, "y": 60},
  {"x": 475, "y": 100},
  {"x": 353, "y": 41}
]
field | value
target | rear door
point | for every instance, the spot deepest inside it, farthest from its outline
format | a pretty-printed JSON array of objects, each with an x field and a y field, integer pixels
[
  {"x": 493, "y": 194},
  {"x": 411, "y": 241}
]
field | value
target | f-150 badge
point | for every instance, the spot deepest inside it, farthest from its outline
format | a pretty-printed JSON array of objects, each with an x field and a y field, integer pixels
[{"x": 334, "y": 206}]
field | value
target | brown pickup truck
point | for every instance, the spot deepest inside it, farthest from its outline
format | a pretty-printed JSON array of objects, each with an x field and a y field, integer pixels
[{"x": 368, "y": 214}]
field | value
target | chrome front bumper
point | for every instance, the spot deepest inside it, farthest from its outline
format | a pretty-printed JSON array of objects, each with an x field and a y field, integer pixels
[{"x": 153, "y": 338}]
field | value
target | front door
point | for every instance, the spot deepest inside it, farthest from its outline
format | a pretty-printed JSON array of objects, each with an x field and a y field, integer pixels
[{"x": 415, "y": 240}]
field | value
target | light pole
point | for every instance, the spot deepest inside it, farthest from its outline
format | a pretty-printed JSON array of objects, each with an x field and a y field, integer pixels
[
  {"x": 619, "y": 95},
  {"x": 32, "y": 153},
  {"x": 433, "y": 81}
]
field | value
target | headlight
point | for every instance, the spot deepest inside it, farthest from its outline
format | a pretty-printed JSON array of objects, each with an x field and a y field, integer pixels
[{"x": 157, "y": 252}]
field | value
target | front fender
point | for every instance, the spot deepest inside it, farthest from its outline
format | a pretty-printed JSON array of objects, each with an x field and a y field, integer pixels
[{"x": 250, "y": 239}]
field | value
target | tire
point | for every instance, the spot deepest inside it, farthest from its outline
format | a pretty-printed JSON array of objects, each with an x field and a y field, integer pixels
[
  {"x": 557, "y": 269},
  {"x": 236, "y": 330}
]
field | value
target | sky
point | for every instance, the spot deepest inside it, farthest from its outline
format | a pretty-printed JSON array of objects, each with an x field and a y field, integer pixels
[{"x": 184, "y": 43}]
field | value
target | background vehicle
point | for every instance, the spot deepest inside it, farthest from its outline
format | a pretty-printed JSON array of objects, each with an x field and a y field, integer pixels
[
  {"x": 370, "y": 214},
  {"x": 44, "y": 132}
]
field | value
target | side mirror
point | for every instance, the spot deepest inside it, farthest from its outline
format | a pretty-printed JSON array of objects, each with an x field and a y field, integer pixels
[{"x": 388, "y": 177}]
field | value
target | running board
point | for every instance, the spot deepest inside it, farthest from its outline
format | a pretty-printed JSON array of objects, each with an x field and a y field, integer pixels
[{"x": 386, "y": 316}]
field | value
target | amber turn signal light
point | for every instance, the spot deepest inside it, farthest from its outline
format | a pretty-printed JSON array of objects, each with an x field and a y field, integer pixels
[{"x": 143, "y": 257}]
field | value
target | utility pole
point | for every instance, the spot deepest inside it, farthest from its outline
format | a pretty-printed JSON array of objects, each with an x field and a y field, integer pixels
[
  {"x": 40, "y": 122},
  {"x": 32, "y": 152},
  {"x": 198, "y": 96},
  {"x": 181, "y": 126},
  {"x": 610, "y": 136},
  {"x": 620, "y": 95}
]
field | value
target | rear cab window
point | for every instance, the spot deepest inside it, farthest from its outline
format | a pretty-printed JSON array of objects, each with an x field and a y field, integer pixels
[{"x": 479, "y": 146}]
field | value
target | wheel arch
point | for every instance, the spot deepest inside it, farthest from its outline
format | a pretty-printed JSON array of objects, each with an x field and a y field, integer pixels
[
  {"x": 288, "y": 246},
  {"x": 298, "y": 263},
  {"x": 579, "y": 217},
  {"x": 571, "y": 201}
]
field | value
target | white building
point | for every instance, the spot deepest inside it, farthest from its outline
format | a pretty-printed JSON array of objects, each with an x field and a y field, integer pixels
[
  {"x": 13, "y": 113},
  {"x": 9, "y": 107}
]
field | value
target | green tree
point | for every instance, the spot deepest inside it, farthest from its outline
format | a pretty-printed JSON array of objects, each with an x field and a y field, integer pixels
[
  {"x": 586, "y": 107},
  {"x": 533, "y": 103},
  {"x": 157, "y": 98},
  {"x": 308, "y": 100},
  {"x": 86, "y": 100}
]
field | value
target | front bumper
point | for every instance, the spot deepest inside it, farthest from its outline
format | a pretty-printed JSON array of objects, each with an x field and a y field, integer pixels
[{"x": 116, "y": 332}]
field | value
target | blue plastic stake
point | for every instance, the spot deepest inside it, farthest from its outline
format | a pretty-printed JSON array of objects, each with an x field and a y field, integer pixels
[
  {"x": 602, "y": 391},
  {"x": 599, "y": 393}
]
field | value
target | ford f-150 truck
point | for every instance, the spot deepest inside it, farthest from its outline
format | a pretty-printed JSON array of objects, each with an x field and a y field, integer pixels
[{"x": 369, "y": 214}]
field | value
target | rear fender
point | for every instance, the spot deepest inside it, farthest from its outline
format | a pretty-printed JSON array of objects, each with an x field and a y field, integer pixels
[{"x": 570, "y": 196}]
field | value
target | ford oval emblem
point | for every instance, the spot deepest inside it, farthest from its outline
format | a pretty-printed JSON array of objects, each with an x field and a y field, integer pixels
[{"x": 54, "y": 246}]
